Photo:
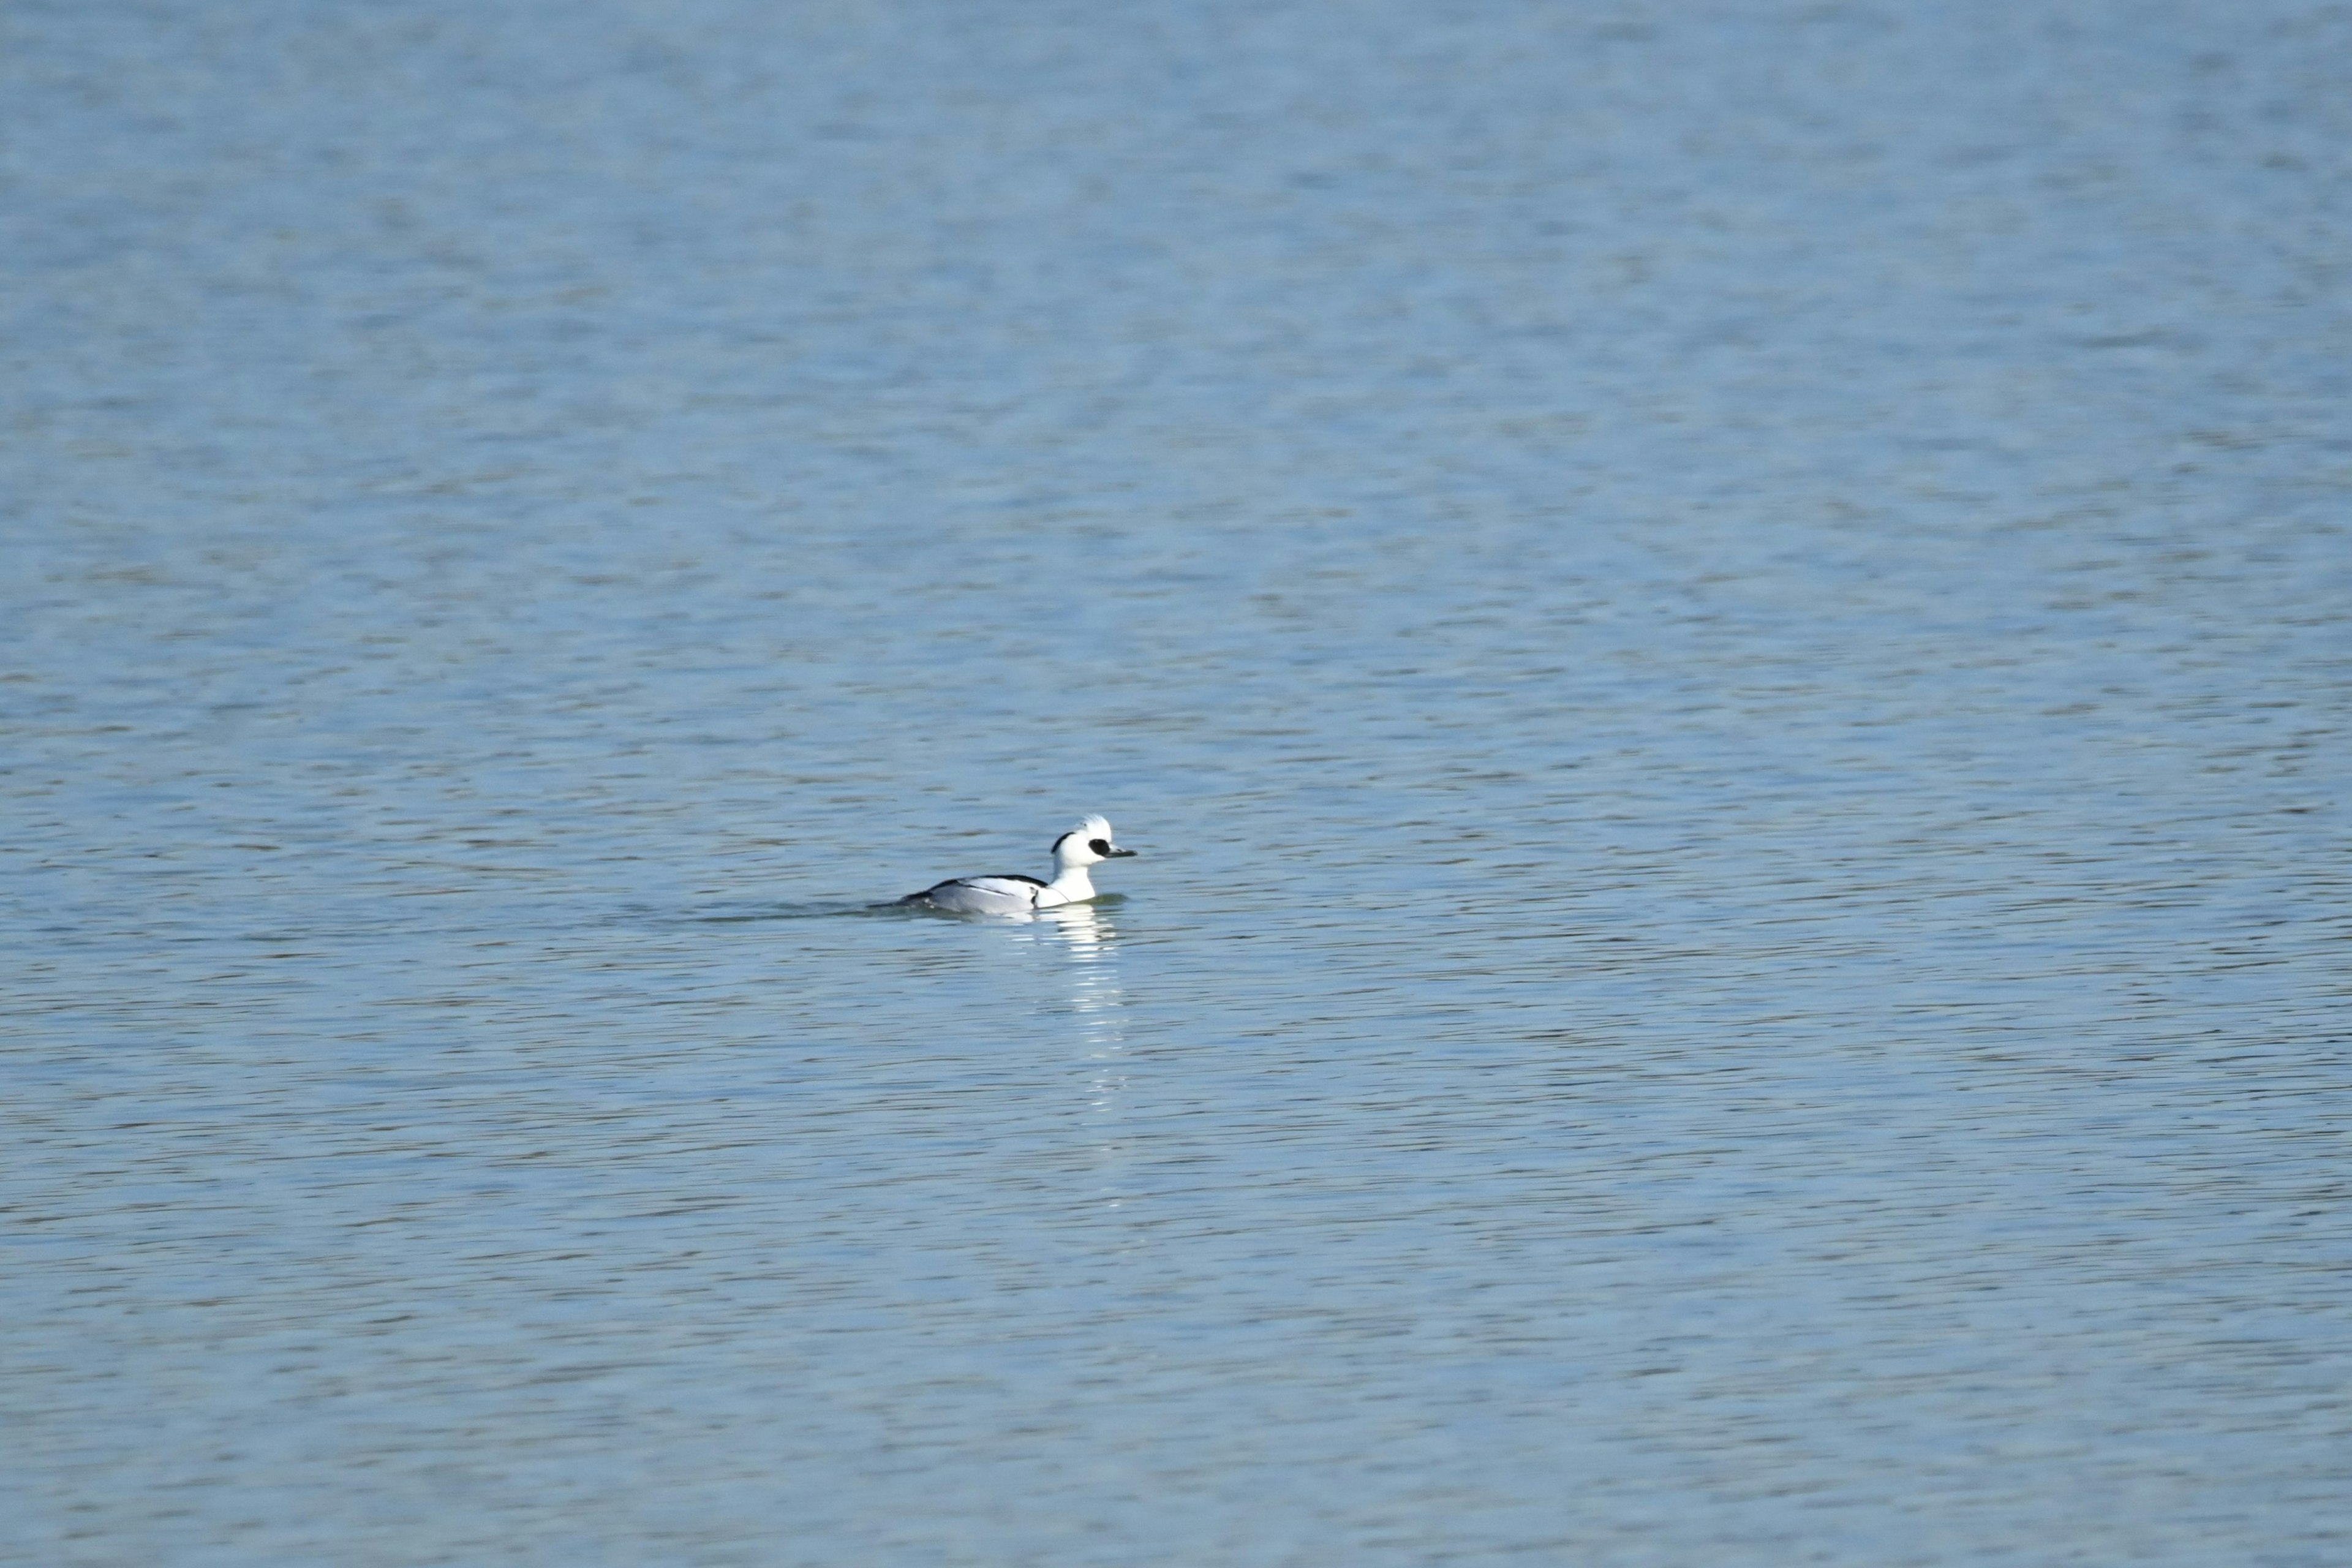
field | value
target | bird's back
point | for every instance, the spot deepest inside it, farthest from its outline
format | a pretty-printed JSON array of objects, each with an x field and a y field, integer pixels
[{"x": 981, "y": 895}]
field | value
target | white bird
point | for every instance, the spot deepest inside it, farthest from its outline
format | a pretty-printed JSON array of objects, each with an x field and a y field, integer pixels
[{"x": 1087, "y": 844}]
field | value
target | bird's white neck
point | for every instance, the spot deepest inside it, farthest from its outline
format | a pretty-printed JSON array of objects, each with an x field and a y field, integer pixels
[{"x": 1071, "y": 885}]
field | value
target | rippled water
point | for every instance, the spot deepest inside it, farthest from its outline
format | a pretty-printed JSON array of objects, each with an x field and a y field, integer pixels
[{"x": 1724, "y": 628}]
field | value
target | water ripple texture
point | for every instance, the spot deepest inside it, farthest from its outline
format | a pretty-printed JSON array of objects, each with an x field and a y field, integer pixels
[{"x": 1724, "y": 628}]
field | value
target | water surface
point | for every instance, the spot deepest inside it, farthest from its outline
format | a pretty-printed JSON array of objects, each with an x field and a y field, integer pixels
[{"x": 1723, "y": 628}]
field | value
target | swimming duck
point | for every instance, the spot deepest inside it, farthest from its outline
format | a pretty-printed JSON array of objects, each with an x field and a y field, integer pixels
[{"x": 1087, "y": 844}]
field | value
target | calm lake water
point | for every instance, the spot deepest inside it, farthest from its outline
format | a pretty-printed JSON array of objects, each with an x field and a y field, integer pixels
[{"x": 1725, "y": 629}]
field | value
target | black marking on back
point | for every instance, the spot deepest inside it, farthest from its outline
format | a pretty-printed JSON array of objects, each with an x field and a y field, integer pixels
[{"x": 967, "y": 882}]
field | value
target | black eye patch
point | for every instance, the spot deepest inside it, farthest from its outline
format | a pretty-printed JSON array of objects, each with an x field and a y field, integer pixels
[{"x": 1099, "y": 845}]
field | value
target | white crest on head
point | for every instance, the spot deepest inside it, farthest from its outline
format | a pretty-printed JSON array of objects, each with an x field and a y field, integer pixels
[{"x": 1076, "y": 847}]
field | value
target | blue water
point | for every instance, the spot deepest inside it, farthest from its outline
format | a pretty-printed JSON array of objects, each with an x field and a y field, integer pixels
[{"x": 1725, "y": 631}]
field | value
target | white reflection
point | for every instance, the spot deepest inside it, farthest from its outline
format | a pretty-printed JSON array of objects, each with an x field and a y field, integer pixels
[
  {"x": 1086, "y": 929},
  {"x": 1095, "y": 999},
  {"x": 1098, "y": 1005}
]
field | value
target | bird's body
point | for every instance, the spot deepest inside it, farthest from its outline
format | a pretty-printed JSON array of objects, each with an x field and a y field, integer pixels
[{"x": 1088, "y": 844}]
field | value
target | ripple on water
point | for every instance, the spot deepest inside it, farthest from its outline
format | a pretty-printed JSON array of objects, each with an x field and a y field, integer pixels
[{"x": 1722, "y": 634}]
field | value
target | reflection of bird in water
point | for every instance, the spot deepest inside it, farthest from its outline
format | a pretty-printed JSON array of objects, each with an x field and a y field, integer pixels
[
  {"x": 1088, "y": 844},
  {"x": 1095, "y": 1014}
]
